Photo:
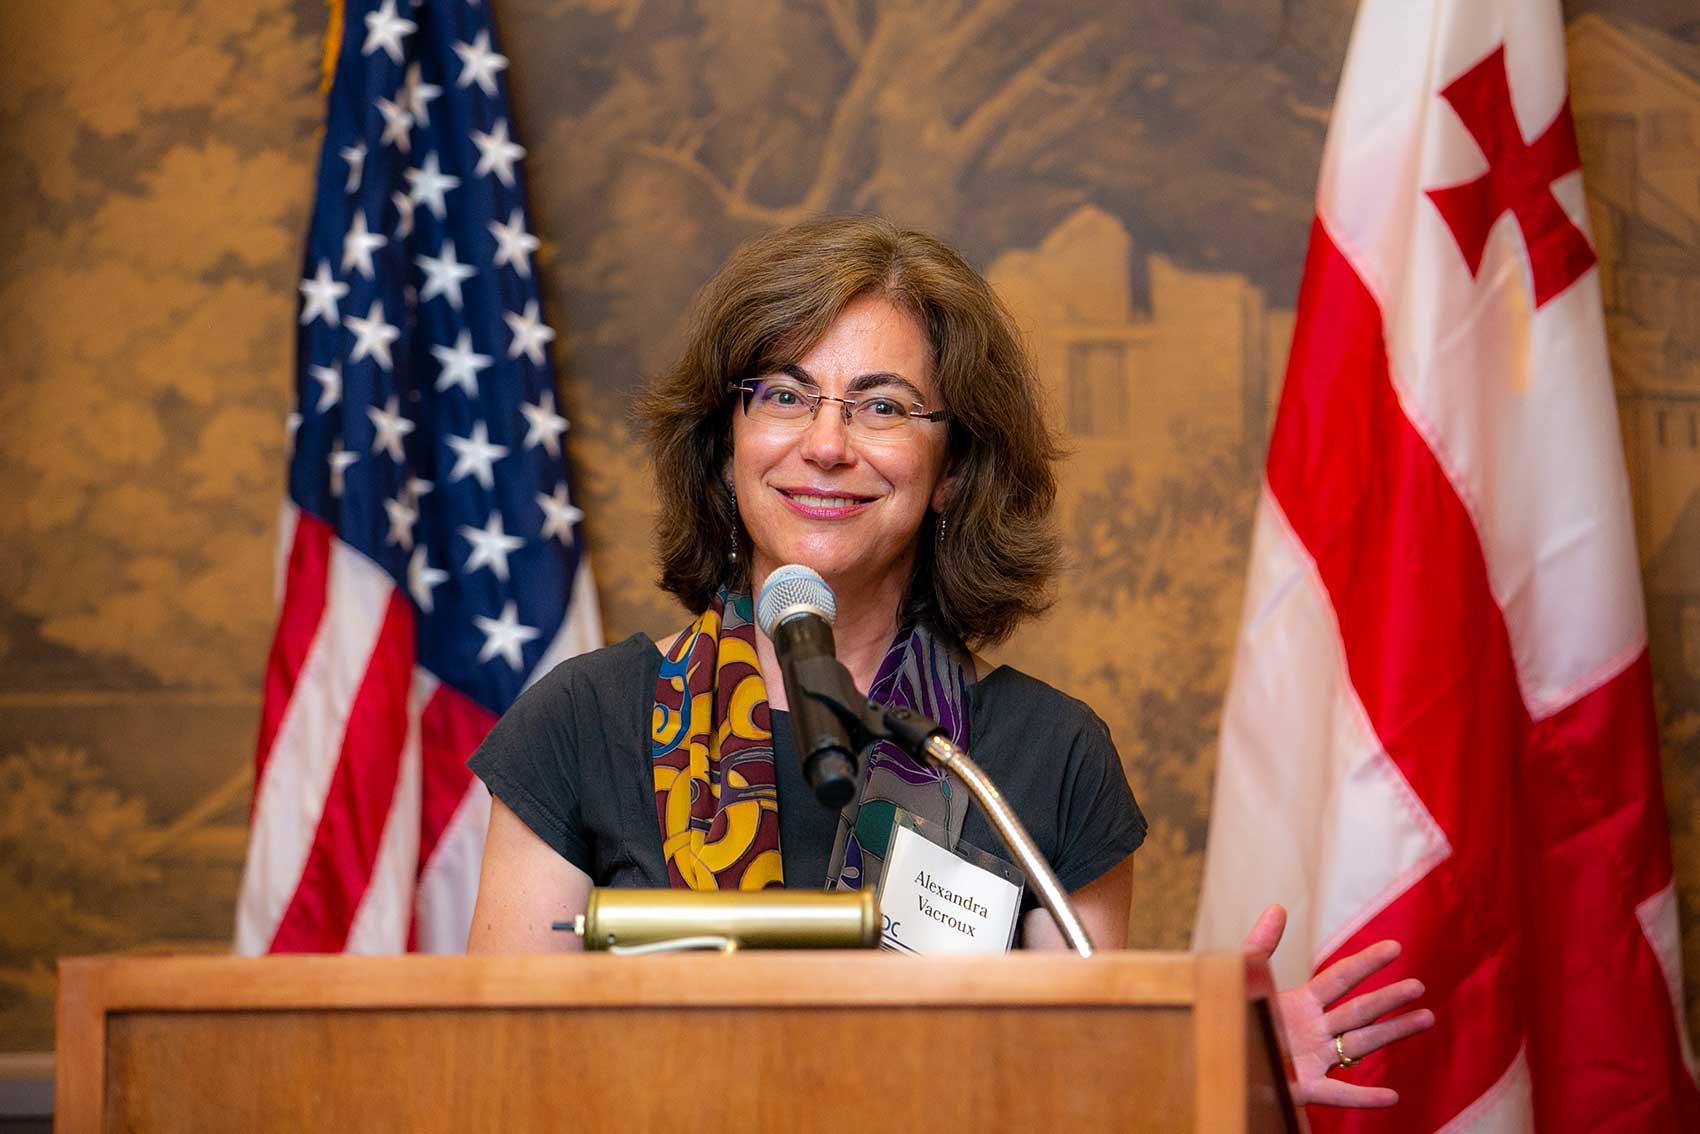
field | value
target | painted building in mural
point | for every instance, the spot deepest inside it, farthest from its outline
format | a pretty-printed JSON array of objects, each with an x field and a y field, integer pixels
[
  {"x": 1130, "y": 385},
  {"x": 1637, "y": 102}
]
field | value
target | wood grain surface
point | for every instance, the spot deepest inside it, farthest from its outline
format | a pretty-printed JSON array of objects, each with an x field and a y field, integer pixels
[{"x": 777, "y": 1041}]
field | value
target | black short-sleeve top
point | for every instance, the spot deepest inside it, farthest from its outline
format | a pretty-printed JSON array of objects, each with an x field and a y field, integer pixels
[{"x": 571, "y": 759}]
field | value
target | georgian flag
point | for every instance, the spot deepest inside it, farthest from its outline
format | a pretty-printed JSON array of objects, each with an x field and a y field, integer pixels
[{"x": 1440, "y": 724}]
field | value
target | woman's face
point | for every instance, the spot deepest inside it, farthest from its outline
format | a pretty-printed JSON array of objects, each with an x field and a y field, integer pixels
[{"x": 845, "y": 501}]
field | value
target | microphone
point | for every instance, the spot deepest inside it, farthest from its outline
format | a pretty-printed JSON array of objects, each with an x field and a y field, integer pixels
[{"x": 795, "y": 610}]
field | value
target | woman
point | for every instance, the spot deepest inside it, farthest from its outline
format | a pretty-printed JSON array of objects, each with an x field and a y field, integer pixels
[{"x": 851, "y": 397}]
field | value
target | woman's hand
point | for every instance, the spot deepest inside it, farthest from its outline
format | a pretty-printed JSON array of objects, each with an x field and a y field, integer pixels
[{"x": 1311, "y": 1026}]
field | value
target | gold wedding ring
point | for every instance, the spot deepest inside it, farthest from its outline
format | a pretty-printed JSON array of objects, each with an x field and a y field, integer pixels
[{"x": 1345, "y": 1060}]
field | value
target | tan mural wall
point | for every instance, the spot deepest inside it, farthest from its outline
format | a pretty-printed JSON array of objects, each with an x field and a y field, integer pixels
[{"x": 1136, "y": 179}]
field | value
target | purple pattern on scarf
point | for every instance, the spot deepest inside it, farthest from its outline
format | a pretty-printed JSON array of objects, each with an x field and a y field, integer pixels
[{"x": 920, "y": 673}]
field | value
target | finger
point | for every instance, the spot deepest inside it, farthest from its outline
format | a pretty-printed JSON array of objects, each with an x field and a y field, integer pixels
[
  {"x": 1359, "y": 1042},
  {"x": 1360, "y": 1010},
  {"x": 1334, "y": 1092},
  {"x": 1347, "y": 973},
  {"x": 1266, "y": 934}
]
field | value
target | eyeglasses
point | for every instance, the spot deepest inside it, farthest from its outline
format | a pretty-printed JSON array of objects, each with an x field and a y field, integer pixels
[{"x": 785, "y": 401}]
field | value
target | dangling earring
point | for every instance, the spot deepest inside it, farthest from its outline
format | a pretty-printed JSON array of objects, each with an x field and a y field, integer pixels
[
  {"x": 941, "y": 528},
  {"x": 732, "y": 546}
]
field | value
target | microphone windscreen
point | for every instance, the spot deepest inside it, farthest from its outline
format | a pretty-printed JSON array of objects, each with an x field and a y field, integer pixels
[{"x": 793, "y": 587}]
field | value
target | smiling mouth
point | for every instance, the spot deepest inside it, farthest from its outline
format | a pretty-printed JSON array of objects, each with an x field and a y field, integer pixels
[{"x": 822, "y": 500}]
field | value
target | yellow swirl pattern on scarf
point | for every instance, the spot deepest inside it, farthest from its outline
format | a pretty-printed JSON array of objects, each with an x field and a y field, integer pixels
[{"x": 707, "y": 700}]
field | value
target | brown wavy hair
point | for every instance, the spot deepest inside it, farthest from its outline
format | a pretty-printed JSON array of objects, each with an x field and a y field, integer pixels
[{"x": 764, "y": 309}]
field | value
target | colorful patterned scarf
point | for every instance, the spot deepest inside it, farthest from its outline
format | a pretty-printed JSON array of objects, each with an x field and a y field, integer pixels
[{"x": 716, "y": 796}]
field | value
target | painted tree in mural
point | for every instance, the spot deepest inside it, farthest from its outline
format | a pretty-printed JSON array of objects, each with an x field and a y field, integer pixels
[
  {"x": 692, "y": 126},
  {"x": 72, "y": 848},
  {"x": 921, "y": 81},
  {"x": 140, "y": 416},
  {"x": 1156, "y": 570}
]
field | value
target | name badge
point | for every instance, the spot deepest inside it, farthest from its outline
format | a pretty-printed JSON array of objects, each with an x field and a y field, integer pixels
[{"x": 936, "y": 900}]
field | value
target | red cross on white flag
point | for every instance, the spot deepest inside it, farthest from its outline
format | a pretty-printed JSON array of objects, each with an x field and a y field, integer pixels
[
  {"x": 1440, "y": 724},
  {"x": 1518, "y": 179}
]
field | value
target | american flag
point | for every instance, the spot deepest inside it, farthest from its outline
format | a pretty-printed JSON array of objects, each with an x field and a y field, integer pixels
[{"x": 429, "y": 555}]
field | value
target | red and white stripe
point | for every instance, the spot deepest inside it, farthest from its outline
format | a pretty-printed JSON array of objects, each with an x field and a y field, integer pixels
[
  {"x": 367, "y": 826},
  {"x": 1439, "y": 727}
]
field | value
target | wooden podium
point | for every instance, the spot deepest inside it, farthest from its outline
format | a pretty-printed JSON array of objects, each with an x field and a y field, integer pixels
[{"x": 698, "y": 1042}]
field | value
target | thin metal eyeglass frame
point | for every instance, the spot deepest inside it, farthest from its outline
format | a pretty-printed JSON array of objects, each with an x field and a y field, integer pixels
[{"x": 917, "y": 410}]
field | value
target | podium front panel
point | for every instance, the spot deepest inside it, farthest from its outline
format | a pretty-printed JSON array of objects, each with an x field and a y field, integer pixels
[{"x": 782, "y": 1041}]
